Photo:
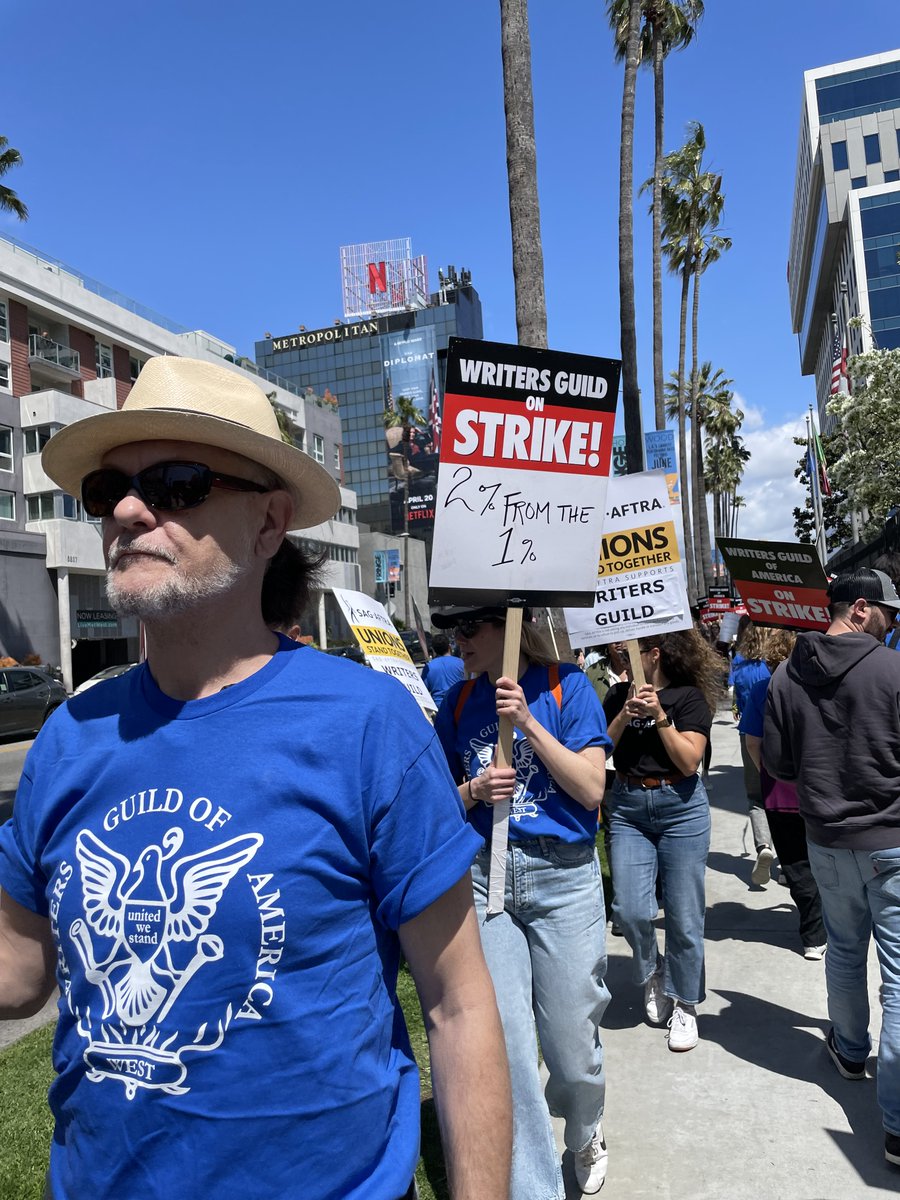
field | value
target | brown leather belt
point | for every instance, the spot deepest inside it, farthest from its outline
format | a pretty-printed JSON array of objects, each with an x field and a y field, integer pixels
[{"x": 649, "y": 781}]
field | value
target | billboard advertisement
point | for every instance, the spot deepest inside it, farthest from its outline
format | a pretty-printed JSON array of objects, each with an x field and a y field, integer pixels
[{"x": 410, "y": 366}]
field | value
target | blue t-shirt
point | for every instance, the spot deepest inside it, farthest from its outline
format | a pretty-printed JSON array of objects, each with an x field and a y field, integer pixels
[
  {"x": 540, "y": 807},
  {"x": 440, "y": 674},
  {"x": 754, "y": 710},
  {"x": 745, "y": 672},
  {"x": 224, "y": 880}
]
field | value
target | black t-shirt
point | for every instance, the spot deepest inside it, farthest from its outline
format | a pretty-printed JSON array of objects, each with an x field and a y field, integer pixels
[{"x": 640, "y": 750}]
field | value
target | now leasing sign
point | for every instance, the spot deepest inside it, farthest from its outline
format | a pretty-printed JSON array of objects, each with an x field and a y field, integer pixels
[
  {"x": 781, "y": 583},
  {"x": 640, "y": 587},
  {"x": 525, "y": 454},
  {"x": 381, "y": 643}
]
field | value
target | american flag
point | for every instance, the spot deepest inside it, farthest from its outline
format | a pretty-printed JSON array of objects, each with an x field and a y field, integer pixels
[
  {"x": 434, "y": 417},
  {"x": 839, "y": 381}
]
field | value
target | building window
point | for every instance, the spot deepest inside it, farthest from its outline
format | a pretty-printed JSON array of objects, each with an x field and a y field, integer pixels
[
  {"x": 319, "y": 449},
  {"x": 103, "y": 358},
  {"x": 892, "y": 176},
  {"x": 4, "y": 322},
  {"x": 7, "y": 506},
  {"x": 858, "y": 181},
  {"x": 839, "y": 159},
  {"x": 134, "y": 368},
  {"x": 4, "y": 376},
  {"x": 71, "y": 508},
  {"x": 40, "y": 507},
  {"x": 6, "y": 449},
  {"x": 337, "y": 458},
  {"x": 873, "y": 150},
  {"x": 37, "y": 439}
]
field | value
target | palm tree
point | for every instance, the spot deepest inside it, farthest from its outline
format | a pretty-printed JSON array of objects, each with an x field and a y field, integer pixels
[
  {"x": 667, "y": 25},
  {"x": 9, "y": 201},
  {"x": 628, "y": 35},
  {"x": 521, "y": 166},
  {"x": 692, "y": 208}
]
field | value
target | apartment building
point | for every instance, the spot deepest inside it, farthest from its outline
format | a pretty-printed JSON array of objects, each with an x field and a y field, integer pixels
[{"x": 70, "y": 347}]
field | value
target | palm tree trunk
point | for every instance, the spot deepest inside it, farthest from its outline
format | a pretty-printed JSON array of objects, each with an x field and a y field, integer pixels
[
  {"x": 521, "y": 166},
  {"x": 631, "y": 395},
  {"x": 682, "y": 442},
  {"x": 701, "y": 513},
  {"x": 698, "y": 495},
  {"x": 659, "y": 403}
]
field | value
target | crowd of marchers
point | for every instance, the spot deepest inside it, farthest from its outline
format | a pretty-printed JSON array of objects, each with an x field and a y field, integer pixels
[{"x": 220, "y": 856}]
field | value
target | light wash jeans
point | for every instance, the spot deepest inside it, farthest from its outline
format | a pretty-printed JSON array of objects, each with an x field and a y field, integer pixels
[
  {"x": 547, "y": 957},
  {"x": 860, "y": 891},
  {"x": 666, "y": 831}
]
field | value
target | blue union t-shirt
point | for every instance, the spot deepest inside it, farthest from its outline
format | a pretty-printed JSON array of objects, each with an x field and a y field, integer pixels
[
  {"x": 540, "y": 807},
  {"x": 224, "y": 880}
]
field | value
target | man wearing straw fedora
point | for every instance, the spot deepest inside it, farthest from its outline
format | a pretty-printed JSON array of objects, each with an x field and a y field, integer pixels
[{"x": 219, "y": 855}]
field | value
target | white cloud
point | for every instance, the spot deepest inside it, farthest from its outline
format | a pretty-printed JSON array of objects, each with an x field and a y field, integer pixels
[{"x": 769, "y": 488}]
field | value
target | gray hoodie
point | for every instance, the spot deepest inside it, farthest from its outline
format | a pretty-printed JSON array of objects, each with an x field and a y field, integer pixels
[{"x": 833, "y": 728}]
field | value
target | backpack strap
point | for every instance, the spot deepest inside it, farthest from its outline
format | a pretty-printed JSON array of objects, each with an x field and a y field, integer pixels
[
  {"x": 555, "y": 684},
  {"x": 893, "y": 639},
  {"x": 464, "y": 693}
]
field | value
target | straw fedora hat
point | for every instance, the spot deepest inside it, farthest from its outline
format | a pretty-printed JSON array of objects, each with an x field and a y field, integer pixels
[{"x": 186, "y": 400}]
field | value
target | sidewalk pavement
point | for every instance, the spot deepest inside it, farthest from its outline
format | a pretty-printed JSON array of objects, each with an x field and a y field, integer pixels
[{"x": 757, "y": 1110}]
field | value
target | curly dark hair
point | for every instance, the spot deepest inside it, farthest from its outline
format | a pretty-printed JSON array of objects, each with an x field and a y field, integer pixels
[
  {"x": 687, "y": 659},
  {"x": 292, "y": 575}
]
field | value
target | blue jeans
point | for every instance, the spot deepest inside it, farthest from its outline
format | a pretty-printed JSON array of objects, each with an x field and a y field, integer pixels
[
  {"x": 547, "y": 957},
  {"x": 860, "y": 891},
  {"x": 662, "y": 831}
]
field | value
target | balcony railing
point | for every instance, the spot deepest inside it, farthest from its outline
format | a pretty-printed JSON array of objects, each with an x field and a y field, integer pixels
[{"x": 44, "y": 350}]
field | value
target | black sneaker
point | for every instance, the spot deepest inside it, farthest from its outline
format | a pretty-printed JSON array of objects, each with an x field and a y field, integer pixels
[
  {"x": 892, "y": 1148},
  {"x": 847, "y": 1067}
]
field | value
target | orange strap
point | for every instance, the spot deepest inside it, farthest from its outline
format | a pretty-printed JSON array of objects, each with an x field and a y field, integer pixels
[{"x": 466, "y": 691}]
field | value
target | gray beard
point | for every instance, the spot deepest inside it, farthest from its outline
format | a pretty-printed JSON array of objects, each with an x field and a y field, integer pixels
[{"x": 173, "y": 597}]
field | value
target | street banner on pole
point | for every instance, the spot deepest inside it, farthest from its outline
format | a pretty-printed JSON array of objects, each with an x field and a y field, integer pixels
[
  {"x": 660, "y": 455},
  {"x": 781, "y": 583},
  {"x": 619, "y": 464},
  {"x": 640, "y": 589},
  {"x": 525, "y": 453},
  {"x": 381, "y": 643}
]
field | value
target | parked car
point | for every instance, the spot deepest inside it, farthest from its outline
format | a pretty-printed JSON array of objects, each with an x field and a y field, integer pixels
[
  {"x": 410, "y": 640},
  {"x": 28, "y": 696},
  {"x": 106, "y": 673}
]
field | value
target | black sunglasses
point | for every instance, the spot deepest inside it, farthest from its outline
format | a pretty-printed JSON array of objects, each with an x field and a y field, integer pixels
[
  {"x": 166, "y": 486},
  {"x": 470, "y": 627}
]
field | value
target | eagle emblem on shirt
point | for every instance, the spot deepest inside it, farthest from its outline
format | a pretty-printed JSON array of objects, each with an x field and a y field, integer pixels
[{"x": 144, "y": 908}]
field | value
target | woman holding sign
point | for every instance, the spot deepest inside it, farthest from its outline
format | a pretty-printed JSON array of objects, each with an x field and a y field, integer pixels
[
  {"x": 547, "y": 949},
  {"x": 659, "y": 821}
]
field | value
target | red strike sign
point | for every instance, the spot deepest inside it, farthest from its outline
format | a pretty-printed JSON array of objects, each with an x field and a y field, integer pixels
[
  {"x": 799, "y": 607},
  {"x": 574, "y": 441}
]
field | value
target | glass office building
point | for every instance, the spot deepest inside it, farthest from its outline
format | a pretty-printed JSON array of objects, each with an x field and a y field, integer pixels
[
  {"x": 845, "y": 230},
  {"x": 365, "y": 368}
]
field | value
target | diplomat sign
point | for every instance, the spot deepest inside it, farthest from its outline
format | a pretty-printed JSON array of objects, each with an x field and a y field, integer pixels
[{"x": 322, "y": 337}]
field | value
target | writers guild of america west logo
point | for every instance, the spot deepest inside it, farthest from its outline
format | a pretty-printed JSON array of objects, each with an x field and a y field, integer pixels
[
  {"x": 152, "y": 918},
  {"x": 526, "y": 768}
]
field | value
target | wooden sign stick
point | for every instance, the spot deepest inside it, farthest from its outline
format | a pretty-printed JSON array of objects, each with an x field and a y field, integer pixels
[
  {"x": 500, "y": 828},
  {"x": 634, "y": 662}
]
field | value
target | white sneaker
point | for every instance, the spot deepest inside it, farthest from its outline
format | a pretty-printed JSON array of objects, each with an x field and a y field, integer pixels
[
  {"x": 591, "y": 1164},
  {"x": 762, "y": 871},
  {"x": 657, "y": 1005},
  {"x": 683, "y": 1033},
  {"x": 814, "y": 953}
]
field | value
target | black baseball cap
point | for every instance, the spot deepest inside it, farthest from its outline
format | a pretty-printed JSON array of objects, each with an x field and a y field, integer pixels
[
  {"x": 864, "y": 584},
  {"x": 449, "y": 617}
]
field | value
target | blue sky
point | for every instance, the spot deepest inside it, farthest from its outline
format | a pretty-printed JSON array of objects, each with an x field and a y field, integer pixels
[{"x": 209, "y": 159}]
